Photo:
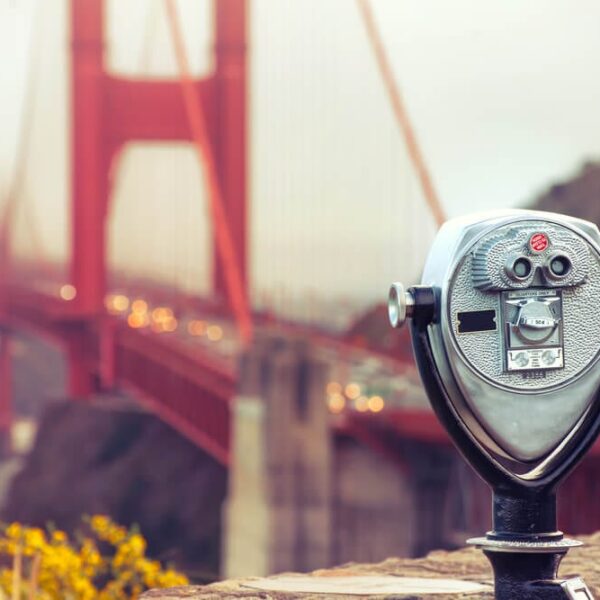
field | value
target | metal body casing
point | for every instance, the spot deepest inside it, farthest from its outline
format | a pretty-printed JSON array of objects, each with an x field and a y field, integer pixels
[{"x": 520, "y": 418}]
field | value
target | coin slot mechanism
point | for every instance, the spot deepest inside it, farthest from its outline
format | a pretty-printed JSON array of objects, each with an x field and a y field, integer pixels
[
  {"x": 533, "y": 336},
  {"x": 475, "y": 321}
]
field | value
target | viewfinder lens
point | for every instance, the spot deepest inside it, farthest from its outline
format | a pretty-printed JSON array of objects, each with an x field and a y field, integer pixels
[
  {"x": 560, "y": 266},
  {"x": 521, "y": 268}
]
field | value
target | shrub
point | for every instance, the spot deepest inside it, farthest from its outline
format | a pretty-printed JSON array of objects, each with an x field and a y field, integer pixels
[{"x": 108, "y": 563}]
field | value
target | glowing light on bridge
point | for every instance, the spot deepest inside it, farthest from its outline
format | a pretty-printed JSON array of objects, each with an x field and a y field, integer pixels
[
  {"x": 361, "y": 404},
  {"x": 162, "y": 313},
  {"x": 214, "y": 333},
  {"x": 137, "y": 320},
  {"x": 163, "y": 320},
  {"x": 116, "y": 303},
  {"x": 336, "y": 403},
  {"x": 138, "y": 317},
  {"x": 121, "y": 302},
  {"x": 68, "y": 292},
  {"x": 333, "y": 387},
  {"x": 352, "y": 391},
  {"x": 139, "y": 307},
  {"x": 197, "y": 327},
  {"x": 170, "y": 325},
  {"x": 375, "y": 404}
]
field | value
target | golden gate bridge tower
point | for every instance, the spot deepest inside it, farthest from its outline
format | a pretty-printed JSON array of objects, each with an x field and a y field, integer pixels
[{"x": 110, "y": 111}]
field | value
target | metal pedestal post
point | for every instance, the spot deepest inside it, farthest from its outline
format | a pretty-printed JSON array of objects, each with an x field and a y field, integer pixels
[
  {"x": 525, "y": 549},
  {"x": 532, "y": 576}
]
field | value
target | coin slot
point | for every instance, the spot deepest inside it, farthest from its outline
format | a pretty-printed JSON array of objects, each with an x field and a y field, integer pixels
[{"x": 476, "y": 320}]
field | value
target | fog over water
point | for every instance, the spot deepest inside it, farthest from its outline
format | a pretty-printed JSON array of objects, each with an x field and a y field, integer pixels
[{"x": 502, "y": 94}]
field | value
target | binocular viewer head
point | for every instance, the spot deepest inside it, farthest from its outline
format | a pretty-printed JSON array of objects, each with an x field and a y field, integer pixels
[{"x": 506, "y": 333}]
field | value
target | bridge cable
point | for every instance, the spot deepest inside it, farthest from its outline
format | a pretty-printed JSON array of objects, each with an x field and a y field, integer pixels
[
  {"x": 402, "y": 118},
  {"x": 150, "y": 23},
  {"x": 23, "y": 143},
  {"x": 199, "y": 130}
]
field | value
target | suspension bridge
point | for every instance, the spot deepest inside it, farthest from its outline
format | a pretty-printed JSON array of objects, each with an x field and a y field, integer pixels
[{"x": 174, "y": 349}]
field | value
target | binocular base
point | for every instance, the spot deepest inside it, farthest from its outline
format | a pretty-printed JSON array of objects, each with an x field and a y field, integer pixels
[{"x": 527, "y": 569}]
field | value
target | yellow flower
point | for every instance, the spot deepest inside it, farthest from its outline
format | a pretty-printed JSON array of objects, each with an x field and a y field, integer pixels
[
  {"x": 100, "y": 523},
  {"x": 14, "y": 531},
  {"x": 34, "y": 539},
  {"x": 59, "y": 537},
  {"x": 137, "y": 544},
  {"x": 76, "y": 570}
]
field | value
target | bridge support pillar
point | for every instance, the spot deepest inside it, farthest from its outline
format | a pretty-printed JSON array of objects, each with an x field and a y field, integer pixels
[
  {"x": 90, "y": 157},
  {"x": 278, "y": 515},
  {"x": 89, "y": 186},
  {"x": 80, "y": 379}
]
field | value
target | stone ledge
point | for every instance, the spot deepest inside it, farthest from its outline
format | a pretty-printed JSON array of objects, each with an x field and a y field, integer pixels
[{"x": 467, "y": 564}]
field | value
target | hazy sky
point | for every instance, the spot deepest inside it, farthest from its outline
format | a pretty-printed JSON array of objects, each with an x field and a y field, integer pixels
[{"x": 503, "y": 95}]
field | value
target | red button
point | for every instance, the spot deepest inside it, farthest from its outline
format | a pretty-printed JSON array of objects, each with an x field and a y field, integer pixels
[{"x": 538, "y": 242}]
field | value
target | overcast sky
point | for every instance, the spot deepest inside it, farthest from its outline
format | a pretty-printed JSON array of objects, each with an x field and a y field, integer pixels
[{"x": 503, "y": 95}]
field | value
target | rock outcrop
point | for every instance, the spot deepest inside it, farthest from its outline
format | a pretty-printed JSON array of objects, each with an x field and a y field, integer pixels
[{"x": 93, "y": 458}]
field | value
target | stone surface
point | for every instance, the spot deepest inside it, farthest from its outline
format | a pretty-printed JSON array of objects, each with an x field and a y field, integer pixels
[{"x": 468, "y": 564}]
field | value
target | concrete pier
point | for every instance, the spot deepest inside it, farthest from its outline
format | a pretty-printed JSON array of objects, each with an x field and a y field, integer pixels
[{"x": 299, "y": 497}]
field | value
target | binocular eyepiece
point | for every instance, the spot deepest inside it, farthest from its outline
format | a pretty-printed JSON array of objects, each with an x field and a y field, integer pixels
[{"x": 506, "y": 334}]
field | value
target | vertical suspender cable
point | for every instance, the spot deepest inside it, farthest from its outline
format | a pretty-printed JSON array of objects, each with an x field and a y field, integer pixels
[
  {"x": 150, "y": 22},
  {"x": 197, "y": 122},
  {"x": 391, "y": 86},
  {"x": 13, "y": 194}
]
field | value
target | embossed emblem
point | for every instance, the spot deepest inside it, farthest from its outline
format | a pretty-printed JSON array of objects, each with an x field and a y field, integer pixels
[{"x": 538, "y": 242}]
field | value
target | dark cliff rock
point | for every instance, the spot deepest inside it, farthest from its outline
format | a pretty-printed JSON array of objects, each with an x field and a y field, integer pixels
[{"x": 128, "y": 464}]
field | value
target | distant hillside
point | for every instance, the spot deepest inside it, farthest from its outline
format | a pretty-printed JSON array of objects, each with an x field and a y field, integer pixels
[{"x": 578, "y": 197}]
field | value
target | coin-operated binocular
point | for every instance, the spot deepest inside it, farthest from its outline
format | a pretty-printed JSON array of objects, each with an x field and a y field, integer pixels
[{"x": 506, "y": 335}]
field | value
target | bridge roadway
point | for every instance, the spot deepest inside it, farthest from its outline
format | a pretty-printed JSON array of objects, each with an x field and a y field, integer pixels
[{"x": 178, "y": 355}]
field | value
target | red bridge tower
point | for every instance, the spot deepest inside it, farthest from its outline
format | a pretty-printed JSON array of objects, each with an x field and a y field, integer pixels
[{"x": 109, "y": 111}]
